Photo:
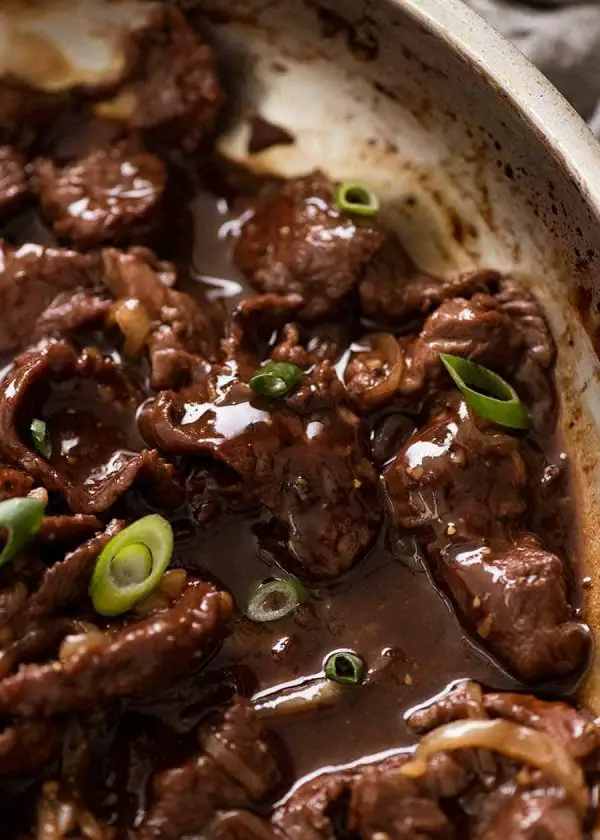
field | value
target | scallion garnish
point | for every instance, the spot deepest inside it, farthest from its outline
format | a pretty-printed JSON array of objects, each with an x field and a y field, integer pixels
[
  {"x": 274, "y": 599},
  {"x": 21, "y": 518},
  {"x": 354, "y": 197},
  {"x": 344, "y": 667},
  {"x": 275, "y": 379},
  {"x": 41, "y": 438},
  {"x": 131, "y": 565},
  {"x": 487, "y": 393}
]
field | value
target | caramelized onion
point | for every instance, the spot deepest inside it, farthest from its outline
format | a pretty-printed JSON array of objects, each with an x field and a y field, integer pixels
[
  {"x": 134, "y": 322},
  {"x": 519, "y": 743},
  {"x": 303, "y": 696},
  {"x": 384, "y": 348},
  {"x": 79, "y": 643}
]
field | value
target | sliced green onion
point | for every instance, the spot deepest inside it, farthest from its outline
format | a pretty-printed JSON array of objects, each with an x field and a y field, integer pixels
[
  {"x": 275, "y": 599},
  {"x": 21, "y": 518},
  {"x": 486, "y": 393},
  {"x": 41, "y": 439},
  {"x": 131, "y": 565},
  {"x": 344, "y": 667},
  {"x": 354, "y": 197},
  {"x": 275, "y": 379}
]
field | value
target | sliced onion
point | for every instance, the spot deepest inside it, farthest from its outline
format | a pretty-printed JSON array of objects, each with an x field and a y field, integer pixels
[
  {"x": 384, "y": 346},
  {"x": 134, "y": 322},
  {"x": 519, "y": 743},
  {"x": 306, "y": 695}
]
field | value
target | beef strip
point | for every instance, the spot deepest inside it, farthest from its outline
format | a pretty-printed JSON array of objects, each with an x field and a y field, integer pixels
[
  {"x": 240, "y": 825},
  {"x": 68, "y": 579},
  {"x": 31, "y": 278},
  {"x": 174, "y": 95},
  {"x": 139, "y": 657},
  {"x": 478, "y": 329},
  {"x": 28, "y": 746},
  {"x": 463, "y": 486},
  {"x": 393, "y": 291},
  {"x": 110, "y": 195},
  {"x": 77, "y": 397},
  {"x": 67, "y": 530},
  {"x": 14, "y": 183},
  {"x": 14, "y": 483},
  {"x": 306, "y": 465},
  {"x": 298, "y": 242},
  {"x": 236, "y": 768},
  {"x": 181, "y": 338}
]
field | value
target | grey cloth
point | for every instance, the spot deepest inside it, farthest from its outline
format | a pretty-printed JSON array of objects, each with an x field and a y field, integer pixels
[{"x": 562, "y": 37}]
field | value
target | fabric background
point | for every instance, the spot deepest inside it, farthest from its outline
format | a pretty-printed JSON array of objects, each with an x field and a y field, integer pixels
[{"x": 562, "y": 37}]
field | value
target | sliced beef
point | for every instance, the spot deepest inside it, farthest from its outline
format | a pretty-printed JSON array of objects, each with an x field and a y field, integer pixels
[
  {"x": 31, "y": 279},
  {"x": 240, "y": 825},
  {"x": 67, "y": 579},
  {"x": 298, "y": 242},
  {"x": 517, "y": 302},
  {"x": 308, "y": 344},
  {"x": 306, "y": 465},
  {"x": 89, "y": 407},
  {"x": 174, "y": 96},
  {"x": 477, "y": 329},
  {"x": 539, "y": 814},
  {"x": 384, "y": 801},
  {"x": 463, "y": 487},
  {"x": 139, "y": 657},
  {"x": 393, "y": 291},
  {"x": 318, "y": 809},
  {"x": 28, "y": 745},
  {"x": 14, "y": 483},
  {"x": 110, "y": 195},
  {"x": 461, "y": 701},
  {"x": 180, "y": 338},
  {"x": 14, "y": 183},
  {"x": 235, "y": 769},
  {"x": 67, "y": 530},
  {"x": 251, "y": 328}
]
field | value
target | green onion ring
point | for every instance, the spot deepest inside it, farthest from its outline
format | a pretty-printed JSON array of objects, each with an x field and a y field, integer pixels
[
  {"x": 275, "y": 379},
  {"x": 275, "y": 599},
  {"x": 21, "y": 518},
  {"x": 354, "y": 197},
  {"x": 131, "y": 565},
  {"x": 40, "y": 437},
  {"x": 501, "y": 403},
  {"x": 344, "y": 667}
]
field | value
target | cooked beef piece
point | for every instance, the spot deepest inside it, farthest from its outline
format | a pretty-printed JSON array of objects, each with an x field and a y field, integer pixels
[
  {"x": 174, "y": 97},
  {"x": 139, "y": 657},
  {"x": 28, "y": 745},
  {"x": 309, "y": 344},
  {"x": 463, "y": 486},
  {"x": 14, "y": 483},
  {"x": 110, "y": 195},
  {"x": 79, "y": 397},
  {"x": 240, "y": 825},
  {"x": 308, "y": 468},
  {"x": 251, "y": 328},
  {"x": 68, "y": 579},
  {"x": 393, "y": 291},
  {"x": 477, "y": 329},
  {"x": 386, "y": 802},
  {"x": 574, "y": 729},
  {"x": 38, "y": 642},
  {"x": 318, "y": 809},
  {"x": 525, "y": 310},
  {"x": 180, "y": 337},
  {"x": 366, "y": 803},
  {"x": 298, "y": 242},
  {"x": 14, "y": 183},
  {"x": 70, "y": 311},
  {"x": 31, "y": 278},
  {"x": 65, "y": 530},
  {"x": 538, "y": 814},
  {"x": 236, "y": 768},
  {"x": 464, "y": 700}
]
